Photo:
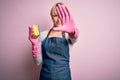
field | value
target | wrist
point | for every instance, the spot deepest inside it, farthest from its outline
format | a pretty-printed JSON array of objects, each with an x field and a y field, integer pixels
[
  {"x": 34, "y": 43},
  {"x": 71, "y": 35},
  {"x": 74, "y": 34}
]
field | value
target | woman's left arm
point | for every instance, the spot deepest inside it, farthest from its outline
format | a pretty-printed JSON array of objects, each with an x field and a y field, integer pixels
[
  {"x": 70, "y": 38},
  {"x": 73, "y": 36}
]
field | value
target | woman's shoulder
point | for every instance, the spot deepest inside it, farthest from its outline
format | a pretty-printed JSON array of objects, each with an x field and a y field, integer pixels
[{"x": 43, "y": 34}]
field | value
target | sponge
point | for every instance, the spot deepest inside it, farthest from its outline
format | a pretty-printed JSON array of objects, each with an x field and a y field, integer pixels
[{"x": 36, "y": 31}]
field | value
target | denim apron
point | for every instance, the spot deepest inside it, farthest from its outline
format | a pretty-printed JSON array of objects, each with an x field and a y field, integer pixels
[{"x": 55, "y": 53}]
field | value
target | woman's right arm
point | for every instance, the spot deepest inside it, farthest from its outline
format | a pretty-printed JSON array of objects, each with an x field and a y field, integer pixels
[
  {"x": 36, "y": 46},
  {"x": 38, "y": 60}
]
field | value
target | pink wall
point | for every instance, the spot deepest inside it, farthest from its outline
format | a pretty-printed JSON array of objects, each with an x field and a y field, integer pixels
[{"x": 96, "y": 56}]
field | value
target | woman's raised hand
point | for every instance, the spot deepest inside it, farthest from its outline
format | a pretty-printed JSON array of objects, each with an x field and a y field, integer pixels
[
  {"x": 32, "y": 40},
  {"x": 35, "y": 44},
  {"x": 68, "y": 24}
]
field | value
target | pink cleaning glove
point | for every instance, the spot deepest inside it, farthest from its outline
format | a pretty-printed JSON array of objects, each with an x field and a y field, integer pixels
[
  {"x": 35, "y": 44},
  {"x": 68, "y": 24}
]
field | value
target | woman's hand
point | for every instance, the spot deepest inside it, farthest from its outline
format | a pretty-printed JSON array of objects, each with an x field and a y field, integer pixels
[
  {"x": 32, "y": 40},
  {"x": 68, "y": 24},
  {"x": 35, "y": 45}
]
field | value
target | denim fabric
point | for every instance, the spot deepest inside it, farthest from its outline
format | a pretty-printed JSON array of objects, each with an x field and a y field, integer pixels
[{"x": 55, "y": 53}]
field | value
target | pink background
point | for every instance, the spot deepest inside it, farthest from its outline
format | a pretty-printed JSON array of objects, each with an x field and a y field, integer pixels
[{"x": 96, "y": 56}]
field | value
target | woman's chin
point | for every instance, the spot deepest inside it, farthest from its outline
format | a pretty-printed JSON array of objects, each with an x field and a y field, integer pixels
[{"x": 57, "y": 25}]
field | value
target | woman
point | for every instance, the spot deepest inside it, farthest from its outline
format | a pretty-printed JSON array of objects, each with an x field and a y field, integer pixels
[{"x": 55, "y": 45}]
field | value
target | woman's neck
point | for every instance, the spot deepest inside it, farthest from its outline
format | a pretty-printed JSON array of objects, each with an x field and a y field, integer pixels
[{"x": 53, "y": 33}]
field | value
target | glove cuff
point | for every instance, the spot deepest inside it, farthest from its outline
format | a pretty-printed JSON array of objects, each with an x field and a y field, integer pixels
[{"x": 74, "y": 34}]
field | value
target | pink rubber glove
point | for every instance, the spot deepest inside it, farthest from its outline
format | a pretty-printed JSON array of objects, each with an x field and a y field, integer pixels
[
  {"x": 35, "y": 45},
  {"x": 68, "y": 24}
]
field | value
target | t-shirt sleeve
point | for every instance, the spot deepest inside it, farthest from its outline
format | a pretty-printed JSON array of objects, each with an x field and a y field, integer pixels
[
  {"x": 71, "y": 41},
  {"x": 38, "y": 60}
]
